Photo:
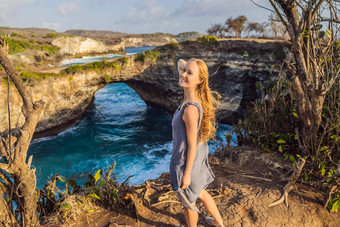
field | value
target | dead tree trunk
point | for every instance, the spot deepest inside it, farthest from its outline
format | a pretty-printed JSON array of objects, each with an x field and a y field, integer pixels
[{"x": 17, "y": 179}]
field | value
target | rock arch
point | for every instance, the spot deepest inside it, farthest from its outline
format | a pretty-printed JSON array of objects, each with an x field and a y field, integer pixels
[{"x": 234, "y": 64}]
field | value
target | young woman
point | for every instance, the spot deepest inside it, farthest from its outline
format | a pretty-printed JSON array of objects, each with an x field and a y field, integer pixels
[{"x": 193, "y": 124}]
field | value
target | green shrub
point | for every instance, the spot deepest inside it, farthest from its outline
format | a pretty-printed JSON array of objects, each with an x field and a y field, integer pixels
[
  {"x": 49, "y": 49},
  {"x": 124, "y": 60},
  {"x": 207, "y": 39},
  {"x": 139, "y": 57},
  {"x": 74, "y": 68},
  {"x": 107, "y": 78},
  {"x": 334, "y": 203},
  {"x": 17, "y": 46},
  {"x": 28, "y": 76},
  {"x": 96, "y": 66},
  {"x": 51, "y": 35},
  {"x": 102, "y": 189},
  {"x": 173, "y": 45},
  {"x": 150, "y": 55},
  {"x": 14, "y": 34}
]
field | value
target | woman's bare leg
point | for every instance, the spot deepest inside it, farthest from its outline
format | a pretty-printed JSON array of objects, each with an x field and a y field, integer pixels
[
  {"x": 211, "y": 207},
  {"x": 191, "y": 217}
]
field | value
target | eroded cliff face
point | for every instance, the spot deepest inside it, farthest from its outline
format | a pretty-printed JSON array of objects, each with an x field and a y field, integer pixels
[
  {"x": 235, "y": 65},
  {"x": 80, "y": 45},
  {"x": 64, "y": 101}
]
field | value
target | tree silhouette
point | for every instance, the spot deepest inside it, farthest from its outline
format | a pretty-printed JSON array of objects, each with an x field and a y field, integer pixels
[{"x": 237, "y": 25}]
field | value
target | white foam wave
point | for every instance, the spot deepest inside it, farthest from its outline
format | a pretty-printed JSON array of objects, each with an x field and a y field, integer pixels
[
  {"x": 149, "y": 166},
  {"x": 88, "y": 59},
  {"x": 77, "y": 125},
  {"x": 43, "y": 139}
]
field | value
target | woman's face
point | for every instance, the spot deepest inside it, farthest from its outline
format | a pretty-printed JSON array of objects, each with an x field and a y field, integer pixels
[{"x": 189, "y": 76}]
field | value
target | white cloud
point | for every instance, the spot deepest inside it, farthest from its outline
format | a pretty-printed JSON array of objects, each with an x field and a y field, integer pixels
[
  {"x": 215, "y": 7},
  {"x": 202, "y": 7},
  {"x": 68, "y": 7},
  {"x": 146, "y": 11},
  {"x": 12, "y": 7},
  {"x": 99, "y": 1},
  {"x": 52, "y": 25}
]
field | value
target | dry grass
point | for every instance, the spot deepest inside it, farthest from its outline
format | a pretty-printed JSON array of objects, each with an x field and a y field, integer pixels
[{"x": 74, "y": 209}]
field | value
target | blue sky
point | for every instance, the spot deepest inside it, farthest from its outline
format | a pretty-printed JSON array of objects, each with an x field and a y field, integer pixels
[{"x": 131, "y": 16}]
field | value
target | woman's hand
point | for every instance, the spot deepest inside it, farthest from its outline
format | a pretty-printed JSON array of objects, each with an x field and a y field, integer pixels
[
  {"x": 180, "y": 66},
  {"x": 185, "y": 182}
]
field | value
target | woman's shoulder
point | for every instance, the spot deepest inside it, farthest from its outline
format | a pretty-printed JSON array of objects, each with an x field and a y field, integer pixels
[
  {"x": 191, "y": 109},
  {"x": 190, "y": 113},
  {"x": 197, "y": 104}
]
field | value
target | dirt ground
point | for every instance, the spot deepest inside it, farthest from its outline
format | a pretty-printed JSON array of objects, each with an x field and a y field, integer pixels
[{"x": 247, "y": 181}]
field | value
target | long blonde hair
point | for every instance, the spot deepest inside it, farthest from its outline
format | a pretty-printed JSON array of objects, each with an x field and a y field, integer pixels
[{"x": 209, "y": 102}]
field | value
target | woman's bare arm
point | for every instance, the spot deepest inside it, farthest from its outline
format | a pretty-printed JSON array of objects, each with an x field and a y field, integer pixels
[{"x": 190, "y": 117}]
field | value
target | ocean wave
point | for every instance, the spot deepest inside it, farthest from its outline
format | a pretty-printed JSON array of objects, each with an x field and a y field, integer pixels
[
  {"x": 149, "y": 166},
  {"x": 88, "y": 59},
  {"x": 43, "y": 139}
]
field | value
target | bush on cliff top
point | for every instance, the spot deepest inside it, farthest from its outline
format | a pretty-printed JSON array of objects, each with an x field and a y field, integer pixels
[
  {"x": 30, "y": 76},
  {"x": 50, "y": 35},
  {"x": 25, "y": 75},
  {"x": 207, "y": 39},
  {"x": 150, "y": 55},
  {"x": 18, "y": 46},
  {"x": 49, "y": 49},
  {"x": 94, "y": 66},
  {"x": 14, "y": 34}
]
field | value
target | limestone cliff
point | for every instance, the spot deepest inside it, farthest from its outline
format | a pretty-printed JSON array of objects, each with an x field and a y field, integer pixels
[
  {"x": 235, "y": 66},
  {"x": 140, "y": 41},
  {"x": 80, "y": 45}
]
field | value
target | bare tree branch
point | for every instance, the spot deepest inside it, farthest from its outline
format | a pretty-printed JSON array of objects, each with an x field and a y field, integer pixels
[
  {"x": 262, "y": 7},
  {"x": 316, "y": 9},
  {"x": 329, "y": 20},
  {"x": 278, "y": 13},
  {"x": 4, "y": 61}
]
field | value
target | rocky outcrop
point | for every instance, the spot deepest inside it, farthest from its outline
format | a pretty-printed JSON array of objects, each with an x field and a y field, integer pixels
[
  {"x": 140, "y": 41},
  {"x": 235, "y": 66},
  {"x": 81, "y": 45}
]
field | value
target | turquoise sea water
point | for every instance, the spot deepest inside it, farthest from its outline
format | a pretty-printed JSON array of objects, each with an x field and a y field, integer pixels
[
  {"x": 119, "y": 126},
  {"x": 89, "y": 59}
]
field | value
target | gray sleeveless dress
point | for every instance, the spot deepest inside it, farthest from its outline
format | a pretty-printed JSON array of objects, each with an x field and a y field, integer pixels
[{"x": 201, "y": 173}]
